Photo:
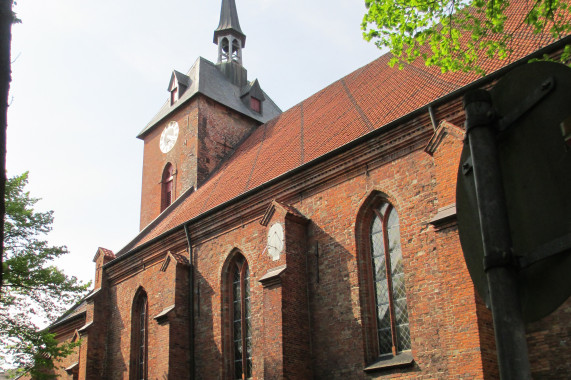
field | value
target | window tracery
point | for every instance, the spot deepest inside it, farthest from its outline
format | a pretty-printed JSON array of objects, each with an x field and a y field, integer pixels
[
  {"x": 386, "y": 333},
  {"x": 388, "y": 281},
  {"x": 240, "y": 319}
]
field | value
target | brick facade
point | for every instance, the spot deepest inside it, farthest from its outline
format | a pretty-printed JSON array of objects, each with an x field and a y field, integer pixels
[
  {"x": 312, "y": 321},
  {"x": 318, "y": 171}
]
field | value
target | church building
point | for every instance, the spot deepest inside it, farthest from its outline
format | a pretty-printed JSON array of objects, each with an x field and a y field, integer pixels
[{"x": 315, "y": 243}]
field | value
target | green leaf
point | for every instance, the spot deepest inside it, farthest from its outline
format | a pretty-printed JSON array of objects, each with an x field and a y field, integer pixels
[{"x": 447, "y": 33}]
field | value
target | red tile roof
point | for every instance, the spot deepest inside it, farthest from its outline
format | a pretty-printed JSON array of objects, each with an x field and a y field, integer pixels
[{"x": 361, "y": 102}]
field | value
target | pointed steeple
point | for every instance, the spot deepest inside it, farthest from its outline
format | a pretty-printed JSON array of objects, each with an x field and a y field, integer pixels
[
  {"x": 229, "y": 23},
  {"x": 229, "y": 36}
]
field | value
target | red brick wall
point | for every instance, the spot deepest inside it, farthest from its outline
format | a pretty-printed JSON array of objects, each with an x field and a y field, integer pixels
[
  {"x": 66, "y": 333},
  {"x": 446, "y": 160},
  {"x": 549, "y": 342},
  {"x": 220, "y": 129},
  {"x": 273, "y": 332},
  {"x": 167, "y": 341},
  {"x": 213, "y": 353},
  {"x": 83, "y": 357},
  {"x": 442, "y": 303},
  {"x": 483, "y": 352},
  {"x": 179, "y": 352},
  {"x": 182, "y": 156},
  {"x": 408, "y": 183},
  {"x": 295, "y": 307},
  {"x": 315, "y": 322},
  {"x": 93, "y": 349}
]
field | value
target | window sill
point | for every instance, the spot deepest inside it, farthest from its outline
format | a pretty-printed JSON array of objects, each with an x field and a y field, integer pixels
[
  {"x": 445, "y": 217},
  {"x": 403, "y": 359}
]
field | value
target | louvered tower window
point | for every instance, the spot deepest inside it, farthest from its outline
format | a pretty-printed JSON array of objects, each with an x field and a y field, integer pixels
[
  {"x": 388, "y": 277},
  {"x": 241, "y": 320}
]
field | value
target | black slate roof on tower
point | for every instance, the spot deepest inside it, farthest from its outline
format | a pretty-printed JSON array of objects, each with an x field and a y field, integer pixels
[{"x": 205, "y": 78}]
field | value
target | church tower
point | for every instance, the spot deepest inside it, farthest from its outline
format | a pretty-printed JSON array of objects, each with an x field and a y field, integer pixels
[{"x": 208, "y": 112}]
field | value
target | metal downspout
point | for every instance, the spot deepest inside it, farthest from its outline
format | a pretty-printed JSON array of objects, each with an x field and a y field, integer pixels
[
  {"x": 432, "y": 117},
  {"x": 191, "y": 302}
]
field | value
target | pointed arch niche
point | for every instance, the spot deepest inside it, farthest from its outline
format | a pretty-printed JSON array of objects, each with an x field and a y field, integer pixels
[
  {"x": 236, "y": 317},
  {"x": 386, "y": 332},
  {"x": 139, "y": 336}
]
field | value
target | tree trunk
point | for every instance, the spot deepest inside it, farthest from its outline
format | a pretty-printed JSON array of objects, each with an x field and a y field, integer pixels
[{"x": 6, "y": 19}]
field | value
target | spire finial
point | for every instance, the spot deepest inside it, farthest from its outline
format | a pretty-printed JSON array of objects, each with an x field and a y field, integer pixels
[{"x": 228, "y": 36}]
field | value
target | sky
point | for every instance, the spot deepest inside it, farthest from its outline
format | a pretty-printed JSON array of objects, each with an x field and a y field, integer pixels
[{"x": 88, "y": 75}]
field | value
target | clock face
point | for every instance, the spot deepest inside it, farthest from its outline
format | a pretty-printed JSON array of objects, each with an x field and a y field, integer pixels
[
  {"x": 168, "y": 137},
  {"x": 275, "y": 241}
]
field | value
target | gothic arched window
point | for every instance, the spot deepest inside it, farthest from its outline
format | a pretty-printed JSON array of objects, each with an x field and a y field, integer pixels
[
  {"x": 167, "y": 186},
  {"x": 392, "y": 328},
  {"x": 240, "y": 318},
  {"x": 139, "y": 337}
]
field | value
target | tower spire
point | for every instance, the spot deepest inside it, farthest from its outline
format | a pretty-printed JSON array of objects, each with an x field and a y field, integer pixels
[{"x": 229, "y": 36}]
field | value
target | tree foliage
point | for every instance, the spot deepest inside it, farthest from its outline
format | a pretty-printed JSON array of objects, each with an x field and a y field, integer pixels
[
  {"x": 455, "y": 34},
  {"x": 34, "y": 292}
]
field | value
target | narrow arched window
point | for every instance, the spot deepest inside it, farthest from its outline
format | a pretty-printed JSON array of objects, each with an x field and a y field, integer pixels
[
  {"x": 139, "y": 337},
  {"x": 388, "y": 279},
  {"x": 167, "y": 186},
  {"x": 241, "y": 327}
]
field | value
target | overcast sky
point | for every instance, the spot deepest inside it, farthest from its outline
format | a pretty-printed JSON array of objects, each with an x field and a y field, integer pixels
[{"x": 89, "y": 74}]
